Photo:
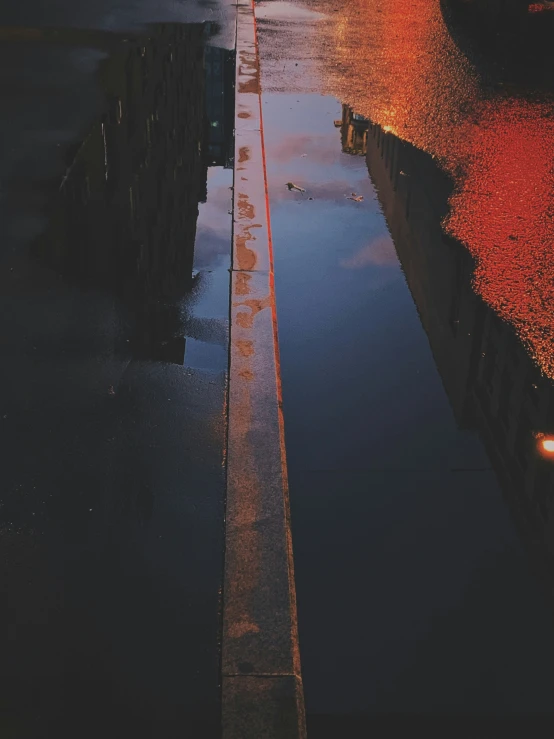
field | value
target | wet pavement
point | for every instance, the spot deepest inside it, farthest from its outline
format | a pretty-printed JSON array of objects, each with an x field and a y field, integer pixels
[
  {"x": 412, "y": 282},
  {"x": 414, "y": 289},
  {"x": 116, "y": 191}
]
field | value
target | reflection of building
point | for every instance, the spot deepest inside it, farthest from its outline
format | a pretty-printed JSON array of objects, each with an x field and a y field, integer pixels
[
  {"x": 492, "y": 383},
  {"x": 220, "y": 73},
  {"x": 102, "y": 454},
  {"x": 125, "y": 218},
  {"x": 353, "y": 132},
  {"x": 496, "y": 10}
]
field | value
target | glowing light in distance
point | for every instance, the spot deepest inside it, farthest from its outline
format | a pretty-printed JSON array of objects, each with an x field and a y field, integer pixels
[{"x": 548, "y": 445}]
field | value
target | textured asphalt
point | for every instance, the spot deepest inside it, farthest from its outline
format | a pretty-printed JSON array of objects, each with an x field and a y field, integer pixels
[{"x": 114, "y": 320}]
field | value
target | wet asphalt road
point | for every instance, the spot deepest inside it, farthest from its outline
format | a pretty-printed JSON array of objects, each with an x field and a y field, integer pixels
[
  {"x": 414, "y": 322},
  {"x": 115, "y": 177}
]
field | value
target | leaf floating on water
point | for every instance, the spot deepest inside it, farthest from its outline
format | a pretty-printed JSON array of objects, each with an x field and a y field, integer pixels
[
  {"x": 355, "y": 198},
  {"x": 292, "y": 186}
]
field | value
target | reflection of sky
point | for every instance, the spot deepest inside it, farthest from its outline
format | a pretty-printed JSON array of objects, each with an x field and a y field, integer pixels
[
  {"x": 206, "y": 309},
  {"x": 212, "y": 226},
  {"x": 379, "y": 251}
]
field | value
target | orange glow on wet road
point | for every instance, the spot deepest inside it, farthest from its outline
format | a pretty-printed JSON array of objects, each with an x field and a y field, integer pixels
[
  {"x": 398, "y": 65},
  {"x": 502, "y": 211}
]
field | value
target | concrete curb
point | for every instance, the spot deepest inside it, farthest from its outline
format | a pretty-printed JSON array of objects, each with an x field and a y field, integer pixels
[{"x": 262, "y": 694}]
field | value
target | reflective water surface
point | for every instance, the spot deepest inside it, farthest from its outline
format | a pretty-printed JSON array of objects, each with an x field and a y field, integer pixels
[
  {"x": 491, "y": 133},
  {"x": 416, "y": 346},
  {"x": 421, "y": 72}
]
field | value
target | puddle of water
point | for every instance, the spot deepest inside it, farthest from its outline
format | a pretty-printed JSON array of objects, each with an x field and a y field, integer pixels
[
  {"x": 201, "y": 355},
  {"x": 414, "y": 588},
  {"x": 205, "y": 312},
  {"x": 400, "y": 491},
  {"x": 212, "y": 259}
]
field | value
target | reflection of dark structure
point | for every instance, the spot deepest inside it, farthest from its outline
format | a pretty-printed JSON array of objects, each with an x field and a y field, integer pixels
[
  {"x": 507, "y": 40},
  {"x": 498, "y": 9},
  {"x": 125, "y": 217},
  {"x": 491, "y": 382},
  {"x": 353, "y": 132},
  {"x": 113, "y": 488},
  {"x": 220, "y": 73}
]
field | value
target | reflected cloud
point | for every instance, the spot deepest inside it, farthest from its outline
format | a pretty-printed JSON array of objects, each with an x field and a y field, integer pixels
[
  {"x": 211, "y": 244},
  {"x": 379, "y": 252},
  {"x": 321, "y": 148}
]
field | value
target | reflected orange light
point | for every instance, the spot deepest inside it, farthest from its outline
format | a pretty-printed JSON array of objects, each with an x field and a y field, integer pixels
[
  {"x": 398, "y": 65},
  {"x": 501, "y": 211}
]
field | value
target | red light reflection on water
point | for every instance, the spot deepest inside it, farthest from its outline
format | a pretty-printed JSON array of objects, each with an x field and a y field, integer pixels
[
  {"x": 399, "y": 66},
  {"x": 502, "y": 210}
]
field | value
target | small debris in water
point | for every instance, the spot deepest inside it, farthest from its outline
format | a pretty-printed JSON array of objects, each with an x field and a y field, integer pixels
[
  {"x": 355, "y": 198},
  {"x": 292, "y": 186}
]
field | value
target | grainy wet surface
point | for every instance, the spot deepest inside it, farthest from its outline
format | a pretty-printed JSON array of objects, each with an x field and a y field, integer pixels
[
  {"x": 414, "y": 323},
  {"x": 116, "y": 195},
  {"x": 481, "y": 105}
]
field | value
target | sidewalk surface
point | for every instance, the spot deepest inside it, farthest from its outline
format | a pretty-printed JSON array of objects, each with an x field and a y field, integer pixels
[{"x": 262, "y": 688}]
